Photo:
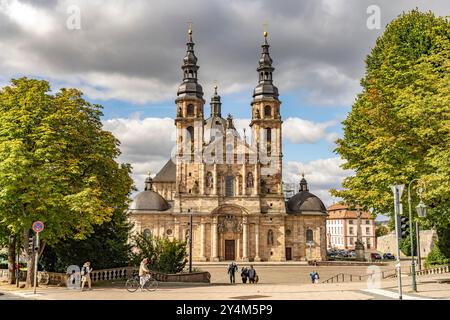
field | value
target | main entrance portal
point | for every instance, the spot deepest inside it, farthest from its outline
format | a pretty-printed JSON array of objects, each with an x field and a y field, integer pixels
[{"x": 230, "y": 253}]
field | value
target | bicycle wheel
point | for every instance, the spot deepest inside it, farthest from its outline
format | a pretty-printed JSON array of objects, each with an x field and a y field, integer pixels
[
  {"x": 132, "y": 285},
  {"x": 151, "y": 285}
]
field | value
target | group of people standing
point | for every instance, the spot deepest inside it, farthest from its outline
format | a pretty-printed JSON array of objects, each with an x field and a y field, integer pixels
[{"x": 247, "y": 273}]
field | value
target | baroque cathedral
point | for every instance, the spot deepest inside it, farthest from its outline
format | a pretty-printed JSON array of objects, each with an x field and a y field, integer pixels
[{"x": 230, "y": 185}]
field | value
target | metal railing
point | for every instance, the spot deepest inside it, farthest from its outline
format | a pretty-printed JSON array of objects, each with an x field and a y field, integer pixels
[{"x": 343, "y": 277}]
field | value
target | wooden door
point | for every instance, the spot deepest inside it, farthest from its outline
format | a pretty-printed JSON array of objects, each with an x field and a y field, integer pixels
[
  {"x": 229, "y": 250},
  {"x": 288, "y": 253}
]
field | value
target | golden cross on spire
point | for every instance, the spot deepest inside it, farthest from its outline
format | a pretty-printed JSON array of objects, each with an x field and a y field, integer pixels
[
  {"x": 149, "y": 173},
  {"x": 190, "y": 29},
  {"x": 265, "y": 27},
  {"x": 215, "y": 86}
]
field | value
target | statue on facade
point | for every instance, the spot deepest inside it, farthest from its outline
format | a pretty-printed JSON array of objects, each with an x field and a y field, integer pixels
[
  {"x": 209, "y": 180},
  {"x": 249, "y": 180},
  {"x": 257, "y": 116},
  {"x": 196, "y": 189},
  {"x": 179, "y": 115}
]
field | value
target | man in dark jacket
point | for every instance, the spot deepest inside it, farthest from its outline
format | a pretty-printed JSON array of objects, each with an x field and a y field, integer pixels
[
  {"x": 232, "y": 268},
  {"x": 251, "y": 274}
]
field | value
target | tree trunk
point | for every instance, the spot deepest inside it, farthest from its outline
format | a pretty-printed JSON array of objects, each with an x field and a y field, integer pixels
[
  {"x": 12, "y": 260},
  {"x": 29, "y": 256}
]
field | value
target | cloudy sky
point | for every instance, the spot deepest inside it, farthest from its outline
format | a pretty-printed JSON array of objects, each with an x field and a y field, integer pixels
[{"x": 126, "y": 55}]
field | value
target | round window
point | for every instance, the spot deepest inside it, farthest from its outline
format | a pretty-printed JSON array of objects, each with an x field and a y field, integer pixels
[
  {"x": 288, "y": 232},
  {"x": 169, "y": 232}
]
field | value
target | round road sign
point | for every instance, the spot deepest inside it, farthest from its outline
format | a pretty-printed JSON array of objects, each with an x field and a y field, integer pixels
[{"x": 38, "y": 226}]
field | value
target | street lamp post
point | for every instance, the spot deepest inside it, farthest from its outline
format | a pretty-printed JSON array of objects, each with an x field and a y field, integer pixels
[
  {"x": 413, "y": 269},
  {"x": 421, "y": 212}
]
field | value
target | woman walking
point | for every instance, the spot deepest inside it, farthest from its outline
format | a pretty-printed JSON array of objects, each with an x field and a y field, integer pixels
[{"x": 86, "y": 275}]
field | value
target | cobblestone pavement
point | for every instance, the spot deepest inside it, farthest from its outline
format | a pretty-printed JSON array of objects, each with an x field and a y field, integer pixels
[{"x": 287, "y": 289}]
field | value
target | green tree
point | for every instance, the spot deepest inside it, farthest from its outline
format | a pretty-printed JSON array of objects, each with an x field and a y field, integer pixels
[
  {"x": 381, "y": 231},
  {"x": 106, "y": 247},
  {"x": 399, "y": 126},
  {"x": 164, "y": 254},
  {"x": 57, "y": 165}
]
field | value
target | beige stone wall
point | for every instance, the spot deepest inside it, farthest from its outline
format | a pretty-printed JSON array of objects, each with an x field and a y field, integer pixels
[{"x": 388, "y": 243}]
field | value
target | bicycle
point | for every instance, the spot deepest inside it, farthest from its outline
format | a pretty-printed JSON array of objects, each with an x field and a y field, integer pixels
[{"x": 134, "y": 283}]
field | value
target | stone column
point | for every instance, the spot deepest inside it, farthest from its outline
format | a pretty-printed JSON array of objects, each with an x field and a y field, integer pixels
[
  {"x": 202, "y": 178},
  {"x": 244, "y": 239},
  {"x": 202, "y": 241},
  {"x": 214, "y": 256},
  {"x": 257, "y": 257},
  {"x": 177, "y": 229},
  {"x": 255, "y": 180},
  {"x": 238, "y": 247},
  {"x": 244, "y": 178},
  {"x": 215, "y": 182},
  {"x": 283, "y": 242}
]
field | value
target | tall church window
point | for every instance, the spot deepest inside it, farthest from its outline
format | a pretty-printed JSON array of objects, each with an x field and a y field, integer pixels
[
  {"x": 309, "y": 235},
  {"x": 269, "y": 135},
  {"x": 270, "y": 237},
  {"x": 190, "y": 139},
  {"x": 267, "y": 111},
  {"x": 190, "y": 110},
  {"x": 229, "y": 186}
]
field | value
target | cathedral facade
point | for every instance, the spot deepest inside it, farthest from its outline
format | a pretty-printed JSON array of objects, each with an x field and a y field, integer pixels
[{"x": 230, "y": 185}]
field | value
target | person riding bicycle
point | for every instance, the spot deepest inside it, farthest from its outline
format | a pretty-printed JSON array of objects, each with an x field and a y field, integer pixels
[{"x": 143, "y": 272}]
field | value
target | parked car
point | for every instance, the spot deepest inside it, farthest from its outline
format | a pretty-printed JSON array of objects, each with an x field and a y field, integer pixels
[
  {"x": 375, "y": 256},
  {"x": 388, "y": 256}
]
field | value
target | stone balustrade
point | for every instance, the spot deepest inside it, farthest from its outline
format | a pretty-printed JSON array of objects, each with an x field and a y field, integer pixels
[{"x": 113, "y": 274}]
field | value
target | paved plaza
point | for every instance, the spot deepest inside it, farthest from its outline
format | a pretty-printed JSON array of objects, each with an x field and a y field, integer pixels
[{"x": 282, "y": 282}]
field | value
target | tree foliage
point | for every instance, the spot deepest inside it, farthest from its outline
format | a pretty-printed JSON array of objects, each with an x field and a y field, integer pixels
[
  {"x": 106, "y": 247},
  {"x": 57, "y": 165},
  {"x": 399, "y": 126},
  {"x": 164, "y": 254}
]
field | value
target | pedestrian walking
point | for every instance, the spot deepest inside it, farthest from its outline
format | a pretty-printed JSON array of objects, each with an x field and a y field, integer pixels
[
  {"x": 232, "y": 268},
  {"x": 251, "y": 274},
  {"x": 316, "y": 278},
  {"x": 313, "y": 276},
  {"x": 244, "y": 274},
  {"x": 86, "y": 275}
]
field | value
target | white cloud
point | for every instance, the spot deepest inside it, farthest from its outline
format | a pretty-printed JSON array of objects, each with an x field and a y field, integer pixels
[
  {"x": 321, "y": 174},
  {"x": 145, "y": 143},
  {"x": 35, "y": 20},
  {"x": 298, "y": 130}
]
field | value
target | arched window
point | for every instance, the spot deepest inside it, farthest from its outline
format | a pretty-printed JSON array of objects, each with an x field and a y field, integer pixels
[
  {"x": 270, "y": 237},
  {"x": 190, "y": 110},
  {"x": 267, "y": 111},
  {"x": 309, "y": 235},
  {"x": 190, "y": 134},
  {"x": 190, "y": 140},
  {"x": 229, "y": 186}
]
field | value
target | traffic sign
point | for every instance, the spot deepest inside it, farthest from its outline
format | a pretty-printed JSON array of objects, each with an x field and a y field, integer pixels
[{"x": 38, "y": 226}]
